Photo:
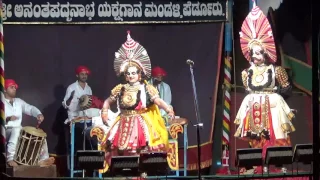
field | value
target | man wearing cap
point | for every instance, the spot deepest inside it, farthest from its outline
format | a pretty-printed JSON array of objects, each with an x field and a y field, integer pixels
[
  {"x": 158, "y": 75},
  {"x": 14, "y": 107},
  {"x": 75, "y": 91},
  {"x": 71, "y": 103}
]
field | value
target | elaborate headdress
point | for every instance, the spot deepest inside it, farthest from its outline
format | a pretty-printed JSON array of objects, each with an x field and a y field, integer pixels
[
  {"x": 256, "y": 30},
  {"x": 131, "y": 52}
]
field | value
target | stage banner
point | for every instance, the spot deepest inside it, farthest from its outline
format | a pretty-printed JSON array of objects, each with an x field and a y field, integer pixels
[{"x": 112, "y": 11}]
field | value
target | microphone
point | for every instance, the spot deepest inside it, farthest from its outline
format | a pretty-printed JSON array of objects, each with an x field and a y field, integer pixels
[{"x": 190, "y": 62}]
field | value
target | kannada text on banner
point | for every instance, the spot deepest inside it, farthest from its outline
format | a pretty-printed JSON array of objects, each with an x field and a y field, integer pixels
[{"x": 97, "y": 11}]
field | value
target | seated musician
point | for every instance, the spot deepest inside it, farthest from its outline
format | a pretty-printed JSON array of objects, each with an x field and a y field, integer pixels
[
  {"x": 158, "y": 74},
  {"x": 14, "y": 107}
]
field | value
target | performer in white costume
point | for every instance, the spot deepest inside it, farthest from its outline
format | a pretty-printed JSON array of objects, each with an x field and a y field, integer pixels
[
  {"x": 264, "y": 118},
  {"x": 14, "y": 108}
]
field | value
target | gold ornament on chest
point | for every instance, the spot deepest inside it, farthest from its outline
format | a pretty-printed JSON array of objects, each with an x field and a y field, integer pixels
[
  {"x": 129, "y": 97},
  {"x": 260, "y": 75}
]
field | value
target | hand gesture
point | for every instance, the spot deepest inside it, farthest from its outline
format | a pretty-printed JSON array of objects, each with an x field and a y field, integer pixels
[
  {"x": 171, "y": 114},
  {"x": 70, "y": 98},
  {"x": 40, "y": 118}
]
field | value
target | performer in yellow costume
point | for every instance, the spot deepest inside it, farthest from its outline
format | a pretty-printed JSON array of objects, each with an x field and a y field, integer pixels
[
  {"x": 264, "y": 118},
  {"x": 139, "y": 126}
]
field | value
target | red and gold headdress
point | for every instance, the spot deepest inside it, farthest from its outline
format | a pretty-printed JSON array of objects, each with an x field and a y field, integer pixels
[
  {"x": 131, "y": 52},
  {"x": 256, "y": 30}
]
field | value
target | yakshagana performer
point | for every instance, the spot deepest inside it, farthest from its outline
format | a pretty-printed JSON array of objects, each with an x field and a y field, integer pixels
[
  {"x": 139, "y": 125},
  {"x": 264, "y": 118}
]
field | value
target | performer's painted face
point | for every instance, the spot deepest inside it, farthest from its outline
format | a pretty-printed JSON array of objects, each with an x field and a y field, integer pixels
[
  {"x": 82, "y": 76},
  {"x": 11, "y": 91},
  {"x": 132, "y": 74},
  {"x": 257, "y": 55}
]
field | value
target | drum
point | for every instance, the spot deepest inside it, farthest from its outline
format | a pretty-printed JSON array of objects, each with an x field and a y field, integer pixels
[
  {"x": 89, "y": 101},
  {"x": 85, "y": 102},
  {"x": 29, "y": 146}
]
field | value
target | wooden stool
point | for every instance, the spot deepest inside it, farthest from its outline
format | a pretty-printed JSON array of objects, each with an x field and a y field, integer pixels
[{"x": 33, "y": 171}]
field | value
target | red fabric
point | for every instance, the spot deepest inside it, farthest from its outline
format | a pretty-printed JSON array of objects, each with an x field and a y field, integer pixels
[
  {"x": 139, "y": 106},
  {"x": 96, "y": 103},
  {"x": 135, "y": 124},
  {"x": 158, "y": 71},
  {"x": 82, "y": 69},
  {"x": 10, "y": 82}
]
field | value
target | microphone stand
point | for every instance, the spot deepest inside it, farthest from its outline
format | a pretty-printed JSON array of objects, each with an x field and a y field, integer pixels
[{"x": 199, "y": 124}]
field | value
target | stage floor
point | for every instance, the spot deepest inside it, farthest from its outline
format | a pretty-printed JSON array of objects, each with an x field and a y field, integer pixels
[{"x": 288, "y": 176}]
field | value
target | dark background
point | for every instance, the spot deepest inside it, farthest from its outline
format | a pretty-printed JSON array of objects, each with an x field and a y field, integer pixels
[{"x": 42, "y": 59}]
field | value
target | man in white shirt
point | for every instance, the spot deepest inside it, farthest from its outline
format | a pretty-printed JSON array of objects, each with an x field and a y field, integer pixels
[
  {"x": 14, "y": 107},
  {"x": 71, "y": 103},
  {"x": 158, "y": 75},
  {"x": 75, "y": 91}
]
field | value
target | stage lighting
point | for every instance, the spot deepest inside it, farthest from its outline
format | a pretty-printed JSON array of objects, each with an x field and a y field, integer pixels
[
  {"x": 154, "y": 163},
  {"x": 303, "y": 153},
  {"x": 90, "y": 159},
  {"x": 124, "y": 166},
  {"x": 278, "y": 156},
  {"x": 249, "y": 157}
]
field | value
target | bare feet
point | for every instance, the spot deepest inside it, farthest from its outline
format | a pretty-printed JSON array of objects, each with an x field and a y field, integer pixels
[
  {"x": 12, "y": 163},
  {"x": 47, "y": 162}
]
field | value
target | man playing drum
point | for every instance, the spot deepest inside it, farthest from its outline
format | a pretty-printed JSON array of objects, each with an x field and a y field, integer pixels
[
  {"x": 71, "y": 102},
  {"x": 14, "y": 107},
  {"x": 75, "y": 91}
]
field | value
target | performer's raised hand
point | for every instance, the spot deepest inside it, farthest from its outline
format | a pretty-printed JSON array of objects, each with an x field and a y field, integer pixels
[
  {"x": 70, "y": 98},
  {"x": 40, "y": 118}
]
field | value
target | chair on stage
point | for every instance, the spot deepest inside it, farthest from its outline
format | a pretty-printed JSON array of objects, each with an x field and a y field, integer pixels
[
  {"x": 71, "y": 161},
  {"x": 90, "y": 107}
]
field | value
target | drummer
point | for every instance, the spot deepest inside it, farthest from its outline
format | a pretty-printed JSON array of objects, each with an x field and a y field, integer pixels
[
  {"x": 71, "y": 103},
  {"x": 14, "y": 107},
  {"x": 75, "y": 91}
]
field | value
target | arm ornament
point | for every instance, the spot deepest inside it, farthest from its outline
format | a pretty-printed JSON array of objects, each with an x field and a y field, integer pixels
[
  {"x": 244, "y": 76},
  {"x": 152, "y": 91},
  {"x": 282, "y": 77},
  {"x": 115, "y": 92}
]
